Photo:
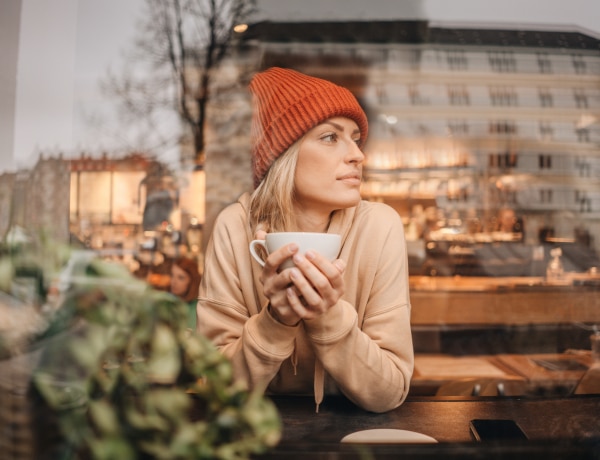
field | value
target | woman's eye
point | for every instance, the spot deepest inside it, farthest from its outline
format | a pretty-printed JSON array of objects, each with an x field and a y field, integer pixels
[
  {"x": 357, "y": 141},
  {"x": 329, "y": 137}
]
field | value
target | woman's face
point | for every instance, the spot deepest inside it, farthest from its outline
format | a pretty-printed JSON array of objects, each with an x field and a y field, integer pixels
[
  {"x": 329, "y": 168},
  {"x": 179, "y": 281}
]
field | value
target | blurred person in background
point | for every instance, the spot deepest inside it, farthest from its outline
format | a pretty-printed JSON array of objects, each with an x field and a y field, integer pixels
[
  {"x": 506, "y": 220},
  {"x": 185, "y": 280}
]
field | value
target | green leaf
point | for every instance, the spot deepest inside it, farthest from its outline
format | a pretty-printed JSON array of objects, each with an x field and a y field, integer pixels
[
  {"x": 88, "y": 350},
  {"x": 112, "y": 448},
  {"x": 183, "y": 440},
  {"x": 60, "y": 395},
  {"x": 104, "y": 417},
  {"x": 172, "y": 403},
  {"x": 164, "y": 362},
  {"x": 7, "y": 272},
  {"x": 157, "y": 448}
]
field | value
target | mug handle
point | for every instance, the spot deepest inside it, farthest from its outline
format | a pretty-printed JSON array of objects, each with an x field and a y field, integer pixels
[{"x": 255, "y": 254}]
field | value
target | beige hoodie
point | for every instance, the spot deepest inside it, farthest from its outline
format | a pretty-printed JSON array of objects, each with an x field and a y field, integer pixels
[{"x": 362, "y": 347}]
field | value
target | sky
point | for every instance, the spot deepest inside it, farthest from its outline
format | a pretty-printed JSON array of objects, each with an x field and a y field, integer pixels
[{"x": 66, "y": 46}]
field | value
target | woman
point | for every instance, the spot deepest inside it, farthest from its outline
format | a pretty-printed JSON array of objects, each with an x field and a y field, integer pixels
[
  {"x": 506, "y": 220},
  {"x": 322, "y": 327},
  {"x": 185, "y": 281}
]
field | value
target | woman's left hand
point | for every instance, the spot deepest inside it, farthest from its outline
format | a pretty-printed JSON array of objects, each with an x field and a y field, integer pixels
[{"x": 318, "y": 284}]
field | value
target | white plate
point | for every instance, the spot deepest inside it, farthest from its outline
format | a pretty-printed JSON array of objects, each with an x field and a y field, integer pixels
[{"x": 387, "y": 435}]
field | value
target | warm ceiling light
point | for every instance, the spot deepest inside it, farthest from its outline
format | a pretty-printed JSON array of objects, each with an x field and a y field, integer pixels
[{"x": 240, "y": 28}]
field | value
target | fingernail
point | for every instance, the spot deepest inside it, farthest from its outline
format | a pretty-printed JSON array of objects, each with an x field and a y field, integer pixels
[
  {"x": 294, "y": 273},
  {"x": 340, "y": 264},
  {"x": 310, "y": 255},
  {"x": 298, "y": 258},
  {"x": 293, "y": 247}
]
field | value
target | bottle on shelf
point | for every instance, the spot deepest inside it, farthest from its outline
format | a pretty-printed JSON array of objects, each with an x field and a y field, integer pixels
[{"x": 555, "y": 271}]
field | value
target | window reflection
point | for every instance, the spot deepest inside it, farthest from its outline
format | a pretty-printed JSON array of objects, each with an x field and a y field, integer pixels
[
  {"x": 460, "y": 129},
  {"x": 491, "y": 122}
]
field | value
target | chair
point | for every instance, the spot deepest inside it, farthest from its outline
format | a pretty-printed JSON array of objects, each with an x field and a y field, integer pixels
[
  {"x": 590, "y": 382},
  {"x": 482, "y": 387}
]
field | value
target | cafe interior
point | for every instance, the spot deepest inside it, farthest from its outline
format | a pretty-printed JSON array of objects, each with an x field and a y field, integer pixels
[{"x": 486, "y": 143}]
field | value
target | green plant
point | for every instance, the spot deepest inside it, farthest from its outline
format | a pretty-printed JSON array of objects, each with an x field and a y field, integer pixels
[
  {"x": 126, "y": 379},
  {"x": 25, "y": 269}
]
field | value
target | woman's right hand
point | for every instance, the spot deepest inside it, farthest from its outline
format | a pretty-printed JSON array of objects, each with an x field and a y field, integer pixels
[{"x": 275, "y": 283}]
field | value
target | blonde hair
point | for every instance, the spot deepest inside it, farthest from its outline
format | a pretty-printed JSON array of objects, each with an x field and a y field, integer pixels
[{"x": 271, "y": 204}]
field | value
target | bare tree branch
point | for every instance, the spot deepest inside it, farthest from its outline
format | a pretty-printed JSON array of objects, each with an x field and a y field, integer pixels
[{"x": 179, "y": 43}]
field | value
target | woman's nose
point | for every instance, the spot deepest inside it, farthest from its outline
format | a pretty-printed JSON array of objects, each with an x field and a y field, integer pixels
[{"x": 355, "y": 154}]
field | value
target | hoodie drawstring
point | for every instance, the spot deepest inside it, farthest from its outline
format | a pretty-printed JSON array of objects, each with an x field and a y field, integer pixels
[
  {"x": 294, "y": 359},
  {"x": 319, "y": 384}
]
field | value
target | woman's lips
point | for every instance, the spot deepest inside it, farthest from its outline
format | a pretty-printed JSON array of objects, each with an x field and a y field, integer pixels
[{"x": 351, "y": 178}]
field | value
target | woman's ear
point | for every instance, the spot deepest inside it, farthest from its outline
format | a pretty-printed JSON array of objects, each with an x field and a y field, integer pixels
[{"x": 260, "y": 235}]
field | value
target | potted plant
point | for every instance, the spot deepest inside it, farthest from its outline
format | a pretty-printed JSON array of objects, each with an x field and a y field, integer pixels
[{"x": 125, "y": 378}]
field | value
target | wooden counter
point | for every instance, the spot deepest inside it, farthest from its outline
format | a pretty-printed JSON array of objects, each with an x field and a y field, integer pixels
[{"x": 464, "y": 301}]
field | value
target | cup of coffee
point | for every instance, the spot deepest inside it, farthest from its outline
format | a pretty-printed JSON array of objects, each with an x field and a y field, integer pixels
[{"x": 326, "y": 244}]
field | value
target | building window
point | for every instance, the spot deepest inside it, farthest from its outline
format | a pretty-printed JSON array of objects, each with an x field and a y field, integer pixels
[
  {"x": 415, "y": 96},
  {"x": 457, "y": 60},
  {"x": 502, "y": 96},
  {"x": 546, "y": 99},
  {"x": 384, "y": 54},
  {"x": 583, "y": 135},
  {"x": 414, "y": 58},
  {"x": 580, "y": 98},
  {"x": 545, "y": 161},
  {"x": 458, "y": 95},
  {"x": 502, "y": 61},
  {"x": 546, "y": 196},
  {"x": 579, "y": 64},
  {"x": 546, "y": 130},
  {"x": 502, "y": 127},
  {"x": 544, "y": 63},
  {"x": 381, "y": 93},
  {"x": 458, "y": 128},
  {"x": 584, "y": 166},
  {"x": 503, "y": 160},
  {"x": 585, "y": 205},
  {"x": 583, "y": 201}
]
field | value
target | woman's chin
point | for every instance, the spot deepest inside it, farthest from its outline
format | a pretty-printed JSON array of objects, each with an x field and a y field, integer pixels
[{"x": 350, "y": 200}]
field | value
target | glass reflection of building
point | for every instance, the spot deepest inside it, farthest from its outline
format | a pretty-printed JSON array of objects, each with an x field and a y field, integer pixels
[{"x": 464, "y": 122}]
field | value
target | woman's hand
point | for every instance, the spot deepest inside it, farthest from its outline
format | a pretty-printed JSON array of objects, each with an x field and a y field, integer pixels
[
  {"x": 276, "y": 283},
  {"x": 318, "y": 284},
  {"x": 305, "y": 291}
]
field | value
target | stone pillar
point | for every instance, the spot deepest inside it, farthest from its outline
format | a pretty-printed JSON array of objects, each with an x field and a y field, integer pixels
[{"x": 227, "y": 158}]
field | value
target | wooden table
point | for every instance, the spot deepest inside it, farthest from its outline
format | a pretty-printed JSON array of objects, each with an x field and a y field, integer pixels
[
  {"x": 557, "y": 428},
  {"x": 548, "y": 369},
  {"x": 543, "y": 373}
]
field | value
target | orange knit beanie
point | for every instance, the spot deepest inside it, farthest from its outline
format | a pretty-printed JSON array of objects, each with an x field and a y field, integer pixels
[{"x": 287, "y": 104}]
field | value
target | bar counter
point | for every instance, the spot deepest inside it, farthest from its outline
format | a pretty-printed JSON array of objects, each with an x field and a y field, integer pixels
[
  {"x": 556, "y": 428},
  {"x": 516, "y": 301}
]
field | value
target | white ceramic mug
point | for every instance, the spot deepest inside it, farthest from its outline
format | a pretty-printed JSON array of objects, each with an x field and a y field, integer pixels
[{"x": 326, "y": 244}]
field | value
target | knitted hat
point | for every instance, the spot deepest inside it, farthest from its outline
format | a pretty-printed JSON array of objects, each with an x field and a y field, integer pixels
[{"x": 287, "y": 104}]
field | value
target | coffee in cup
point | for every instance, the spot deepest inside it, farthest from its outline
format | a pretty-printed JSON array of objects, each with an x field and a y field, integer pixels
[{"x": 326, "y": 244}]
